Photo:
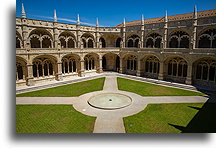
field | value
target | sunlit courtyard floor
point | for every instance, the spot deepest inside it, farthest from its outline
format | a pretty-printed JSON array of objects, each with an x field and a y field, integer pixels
[{"x": 153, "y": 109}]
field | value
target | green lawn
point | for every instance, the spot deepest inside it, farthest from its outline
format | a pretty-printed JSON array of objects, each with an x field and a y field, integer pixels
[
  {"x": 69, "y": 90},
  {"x": 173, "y": 118},
  {"x": 147, "y": 89},
  {"x": 52, "y": 119}
]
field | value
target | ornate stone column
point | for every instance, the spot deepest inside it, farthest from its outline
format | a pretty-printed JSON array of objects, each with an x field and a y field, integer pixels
[
  {"x": 165, "y": 31},
  {"x": 59, "y": 71},
  {"x": 193, "y": 40},
  {"x": 81, "y": 72},
  {"x": 78, "y": 33},
  {"x": 100, "y": 68},
  {"x": 161, "y": 71},
  {"x": 121, "y": 70},
  {"x": 29, "y": 78},
  {"x": 55, "y": 31},
  {"x": 142, "y": 33},
  {"x": 139, "y": 68},
  {"x": 189, "y": 74}
]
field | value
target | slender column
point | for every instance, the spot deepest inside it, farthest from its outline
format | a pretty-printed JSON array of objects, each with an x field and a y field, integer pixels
[
  {"x": 189, "y": 74},
  {"x": 193, "y": 40},
  {"x": 124, "y": 35},
  {"x": 142, "y": 33},
  {"x": 121, "y": 66},
  {"x": 161, "y": 71},
  {"x": 68, "y": 67},
  {"x": 29, "y": 79},
  {"x": 55, "y": 35},
  {"x": 82, "y": 68},
  {"x": 165, "y": 31},
  {"x": 78, "y": 37},
  {"x": 59, "y": 72},
  {"x": 139, "y": 68},
  {"x": 100, "y": 69}
]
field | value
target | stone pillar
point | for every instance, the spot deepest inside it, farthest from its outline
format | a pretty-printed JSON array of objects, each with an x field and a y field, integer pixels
[
  {"x": 29, "y": 79},
  {"x": 121, "y": 70},
  {"x": 100, "y": 68},
  {"x": 189, "y": 74},
  {"x": 24, "y": 33},
  {"x": 55, "y": 31},
  {"x": 161, "y": 71},
  {"x": 59, "y": 71},
  {"x": 78, "y": 37},
  {"x": 81, "y": 72},
  {"x": 139, "y": 68}
]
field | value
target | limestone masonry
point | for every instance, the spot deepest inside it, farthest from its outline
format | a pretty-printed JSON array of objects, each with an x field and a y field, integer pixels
[{"x": 179, "y": 48}]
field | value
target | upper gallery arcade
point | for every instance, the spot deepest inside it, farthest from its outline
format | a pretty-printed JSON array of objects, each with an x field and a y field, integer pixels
[{"x": 178, "y": 48}]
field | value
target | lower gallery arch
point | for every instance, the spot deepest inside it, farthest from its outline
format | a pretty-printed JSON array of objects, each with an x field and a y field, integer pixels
[
  {"x": 176, "y": 69},
  {"x": 151, "y": 65},
  {"x": 91, "y": 63},
  {"x": 130, "y": 64},
  {"x": 44, "y": 67},
  {"x": 204, "y": 72},
  {"x": 110, "y": 62},
  {"x": 70, "y": 65},
  {"x": 21, "y": 70}
]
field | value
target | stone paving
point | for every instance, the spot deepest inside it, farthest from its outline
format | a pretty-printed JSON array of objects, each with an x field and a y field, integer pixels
[{"x": 110, "y": 121}]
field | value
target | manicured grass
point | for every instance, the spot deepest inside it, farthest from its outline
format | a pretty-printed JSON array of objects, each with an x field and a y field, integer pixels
[
  {"x": 147, "y": 89},
  {"x": 52, "y": 119},
  {"x": 69, "y": 90},
  {"x": 172, "y": 118}
]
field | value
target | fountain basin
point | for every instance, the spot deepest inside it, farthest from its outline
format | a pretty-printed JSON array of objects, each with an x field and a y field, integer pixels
[{"x": 110, "y": 101}]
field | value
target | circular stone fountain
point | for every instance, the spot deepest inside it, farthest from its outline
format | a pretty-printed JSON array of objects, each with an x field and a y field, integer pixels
[{"x": 109, "y": 101}]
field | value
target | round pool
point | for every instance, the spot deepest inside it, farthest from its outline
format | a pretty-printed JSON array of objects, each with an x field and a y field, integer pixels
[{"x": 110, "y": 101}]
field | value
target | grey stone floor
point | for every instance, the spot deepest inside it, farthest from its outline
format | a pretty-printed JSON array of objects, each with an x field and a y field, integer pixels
[{"x": 110, "y": 121}]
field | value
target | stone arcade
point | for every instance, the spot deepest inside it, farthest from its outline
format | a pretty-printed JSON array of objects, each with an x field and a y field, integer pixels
[{"x": 179, "y": 48}]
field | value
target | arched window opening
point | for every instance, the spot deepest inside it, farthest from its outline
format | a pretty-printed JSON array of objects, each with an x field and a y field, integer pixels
[
  {"x": 132, "y": 63},
  {"x": 90, "y": 43},
  {"x": 133, "y": 41},
  {"x": 207, "y": 39},
  {"x": 71, "y": 43},
  {"x": 103, "y": 42},
  {"x": 104, "y": 63},
  {"x": 205, "y": 70},
  {"x": 158, "y": 43},
  {"x": 19, "y": 71},
  {"x": 152, "y": 65},
  {"x": 174, "y": 42},
  {"x": 35, "y": 42},
  {"x": 69, "y": 65},
  {"x": 118, "y": 42},
  {"x": 130, "y": 43},
  {"x": 18, "y": 43},
  {"x": 89, "y": 62},
  {"x": 179, "y": 39},
  {"x": 136, "y": 44},
  {"x": 42, "y": 67},
  {"x": 177, "y": 67},
  {"x": 184, "y": 42},
  {"x": 63, "y": 43},
  {"x": 84, "y": 43},
  {"x": 46, "y": 42},
  {"x": 149, "y": 43}
]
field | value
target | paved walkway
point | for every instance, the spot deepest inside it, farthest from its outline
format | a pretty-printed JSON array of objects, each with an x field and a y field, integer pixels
[{"x": 110, "y": 121}]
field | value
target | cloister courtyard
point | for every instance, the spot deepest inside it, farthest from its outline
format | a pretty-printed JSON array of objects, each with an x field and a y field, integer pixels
[{"x": 155, "y": 107}]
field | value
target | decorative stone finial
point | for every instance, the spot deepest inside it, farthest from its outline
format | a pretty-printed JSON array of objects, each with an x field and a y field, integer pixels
[
  {"x": 97, "y": 24},
  {"x": 166, "y": 17},
  {"x": 124, "y": 23},
  {"x": 23, "y": 11},
  {"x": 143, "y": 21},
  {"x": 78, "y": 20},
  {"x": 195, "y": 12},
  {"x": 55, "y": 16}
]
